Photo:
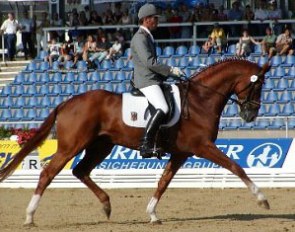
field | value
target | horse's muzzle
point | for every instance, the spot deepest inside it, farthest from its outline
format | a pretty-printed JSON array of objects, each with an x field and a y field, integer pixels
[{"x": 249, "y": 111}]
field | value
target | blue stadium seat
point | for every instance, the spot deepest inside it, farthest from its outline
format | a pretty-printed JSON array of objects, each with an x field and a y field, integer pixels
[
  {"x": 292, "y": 85},
  {"x": 20, "y": 102},
  {"x": 30, "y": 90},
  {"x": 127, "y": 52},
  {"x": 44, "y": 66},
  {"x": 194, "y": 50},
  {"x": 42, "y": 78},
  {"x": 119, "y": 64},
  {"x": 276, "y": 60},
  {"x": 44, "y": 90},
  {"x": 69, "y": 77},
  {"x": 262, "y": 123},
  {"x": 31, "y": 114},
  {"x": 18, "y": 90},
  {"x": 130, "y": 64},
  {"x": 247, "y": 125},
  {"x": 269, "y": 84},
  {"x": 55, "y": 65},
  {"x": 232, "y": 110},
  {"x": 43, "y": 54},
  {"x": 82, "y": 77},
  {"x": 32, "y": 102},
  {"x": 273, "y": 110},
  {"x": 43, "y": 113},
  {"x": 171, "y": 61},
  {"x": 121, "y": 88},
  {"x": 18, "y": 115},
  {"x": 279, "y": 72},
  {"x": 289, "y": 61},
  {"x": 234, "y": 123},
  {"x": 291, "y": 123},
  {"x": 271, "y": 97},
  {"x": 257, "y": 49},
  {"x": 262, "y": 60},
  {"x": 32, "y": 66},
  {"x": 56, "y": 78},
  {"x": 6, "y": 115},
  {"x": 181, "y": 50},
  {"x": 108, "y": 76},
  {"x": 6, "y": 90},
  {"x": 108, "y": 87},
  {"x": 288, "y": 109},
  {"x": 69, "y": 90},
  {"x": 277, "y": 123},
  {"x": 7, "y": 102},
  {"x": 45, "y": 101},
  {"x": 56, "y": 90},
  {"x": 106, "y": 64},
  {"x": 210, "y": 60},
  {"x": 196, "y": 61},
  {"x": 81, "y": 65},
  {"x": 82, "y": 88},
  {"x": 68, "y": 64},
  {"x": 285, "y": 97},
  {"x": 95, "y": 77},
  {"x": 183, "y": 62},
  {"x": 282, "y": 84},
  {"x": 120, "y": 76},
  {"x": 31, "y": 78},
  {"x": 262, "y": 110},
  {"x": 19, "y": 79},
  {"x": 222, "y": 124},
  {"x": 231, "y": 49},
  {"x": 291, "y": 71},
  {"x": 158, "y": 51},
  {"x": 168, "y": 51}
]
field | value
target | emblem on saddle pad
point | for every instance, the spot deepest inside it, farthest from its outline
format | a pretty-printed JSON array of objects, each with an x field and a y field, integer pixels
[{"x": 133, "y": 116}]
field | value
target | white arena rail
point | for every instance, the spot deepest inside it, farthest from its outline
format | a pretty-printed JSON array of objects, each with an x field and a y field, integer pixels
[{"x": 185, "y": 178}]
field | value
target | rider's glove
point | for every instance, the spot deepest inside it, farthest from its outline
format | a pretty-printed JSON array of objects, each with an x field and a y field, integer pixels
[{"x": 177, "y": 72}]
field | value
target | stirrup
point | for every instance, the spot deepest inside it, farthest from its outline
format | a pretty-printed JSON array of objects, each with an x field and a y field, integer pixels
[{"x": 151, "y": 152}]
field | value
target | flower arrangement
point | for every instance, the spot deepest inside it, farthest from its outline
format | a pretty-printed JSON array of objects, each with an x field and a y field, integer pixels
[{"x": 20, "y": 135}]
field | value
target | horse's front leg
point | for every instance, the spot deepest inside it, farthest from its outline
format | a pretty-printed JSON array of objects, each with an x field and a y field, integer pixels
[
  {"x": 208, "y": 150},
  {"x": 172, "y": 167}
]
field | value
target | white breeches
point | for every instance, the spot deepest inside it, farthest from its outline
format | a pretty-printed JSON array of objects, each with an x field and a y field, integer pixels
[{"x": 155, "y": 96}]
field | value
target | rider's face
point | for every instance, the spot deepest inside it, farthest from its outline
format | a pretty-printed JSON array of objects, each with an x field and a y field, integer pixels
[{"x": 151, "y": 22}]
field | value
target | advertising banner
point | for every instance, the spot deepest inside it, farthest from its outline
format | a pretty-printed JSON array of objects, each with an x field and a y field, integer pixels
[{"x": 248, "y": 153}]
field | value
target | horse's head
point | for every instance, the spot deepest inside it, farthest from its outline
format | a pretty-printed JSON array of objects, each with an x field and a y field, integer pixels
[{"x": 248, "y": 91}]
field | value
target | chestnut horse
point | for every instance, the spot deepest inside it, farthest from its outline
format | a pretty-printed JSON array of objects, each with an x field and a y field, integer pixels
[{"x": 93, "y": 121}]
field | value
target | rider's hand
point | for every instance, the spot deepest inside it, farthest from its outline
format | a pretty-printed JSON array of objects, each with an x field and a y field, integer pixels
[{"x": 177, "y": 72}]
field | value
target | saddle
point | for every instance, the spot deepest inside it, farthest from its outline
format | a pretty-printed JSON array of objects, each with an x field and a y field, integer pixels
[{"x": 136, "y": 109}]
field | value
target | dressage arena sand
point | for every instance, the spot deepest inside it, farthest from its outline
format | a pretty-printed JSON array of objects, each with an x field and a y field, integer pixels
[{"x": 189, "y": 210}]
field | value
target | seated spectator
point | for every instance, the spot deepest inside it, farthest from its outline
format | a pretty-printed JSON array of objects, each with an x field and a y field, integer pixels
[
  {"x": 78, "y": 50},
  {"x": 248, "y": 14},
  {"x": 208, "y": 45},
  {"x": 101, "y": 52},
  {"x": 115, "y": 50},
  {"x": 268, "y": 43},
  {"x": 284, "y": 43},
  {"x": 89, "y": 48},
  {"x": 53, "y": 52},
  {"x": 244, "y": 45},
  {"x": 218, "y": 37},
  {"x": 222, "y": 16},
  {"x": 274, "y": 13},
  {"x": 67, "y": 53}
]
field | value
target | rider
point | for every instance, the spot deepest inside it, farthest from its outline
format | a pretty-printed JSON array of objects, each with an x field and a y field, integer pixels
[{"x": 149, "y": 74}]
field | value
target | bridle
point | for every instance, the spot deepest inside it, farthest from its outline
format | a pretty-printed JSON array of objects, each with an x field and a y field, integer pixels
[{"x": 255, "y": 81}]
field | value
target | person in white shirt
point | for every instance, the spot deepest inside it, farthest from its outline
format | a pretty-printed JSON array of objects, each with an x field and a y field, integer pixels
[
  {"x": 26, "y": 25},
  {"x": 9, "y": 27}
]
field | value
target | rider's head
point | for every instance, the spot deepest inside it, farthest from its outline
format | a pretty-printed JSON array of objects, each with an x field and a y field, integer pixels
[{"x": 148, "y": 17}]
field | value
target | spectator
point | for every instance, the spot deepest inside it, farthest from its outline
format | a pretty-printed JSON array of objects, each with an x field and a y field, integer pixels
[
  {"x": 95, "y": 19},
  {"x": 275, "y": 14},
  {"x": 207, "y": 46},
  {"x": 218, "y": 37},
  {"x": 268, "y": 43},
  {"x": 9, "y": 27},
  {"x": 248, "y": 14},
  {"x": 118, "y": 12},
  {"x": 26, "y": 25},
  {"x": 222, "y": 16},
  {"x": 126, "y": 20},
  {"x": 78, "y": 50},
  {"x": 261, "y": 14},
  {"x": 53, "y": 52},
  {"x": 244, "y": 45},
  {"x": 235, "y": 14},
  {"x": 101, "y": 50},
  {"x": 284, "y": 43},
  {"x": 57, "y": 22},
  {"x": 67, "y": 52},
  {"x": 89, "y": 48},
  {"x": 44, "y": 22},
  {"x": 175, "y": 31},
  {"x": 185, "y": 14},
  {"x": 83, "y": 21},
  {"x": 114, "y": 51},
  {"x": 87, "y": 12}
]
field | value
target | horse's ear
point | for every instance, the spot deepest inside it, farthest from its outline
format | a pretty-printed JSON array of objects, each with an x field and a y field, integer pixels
[{"x": 265, "y": 68}]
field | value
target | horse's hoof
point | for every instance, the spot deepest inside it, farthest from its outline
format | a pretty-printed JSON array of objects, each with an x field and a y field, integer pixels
[
  {"x": 264, "y": 204},
  {"x": 29, "y": 224},
  {"x": 158, "y": 222},
  {"x": 107, "y": 210}
]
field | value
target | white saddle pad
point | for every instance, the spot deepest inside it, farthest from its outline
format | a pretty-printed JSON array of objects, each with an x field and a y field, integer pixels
[{"x": 135, "y": 113}]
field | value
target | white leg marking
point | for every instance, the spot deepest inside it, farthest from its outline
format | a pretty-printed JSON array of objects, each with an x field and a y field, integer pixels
[
  {"x": 31, "y": 209},
  {"x": 151, "y": 209},
  {"x": 256, "y": 192}
]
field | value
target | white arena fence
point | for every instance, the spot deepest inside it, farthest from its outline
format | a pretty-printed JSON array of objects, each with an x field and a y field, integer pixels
[{"x": 269, "y": 162}]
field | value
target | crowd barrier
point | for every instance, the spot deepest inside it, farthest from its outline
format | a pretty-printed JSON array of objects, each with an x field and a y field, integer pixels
[{"x": 269, "y": 162}]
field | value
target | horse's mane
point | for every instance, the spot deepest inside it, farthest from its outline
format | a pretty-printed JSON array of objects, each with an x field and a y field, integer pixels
[{"x": 226, "y": 60}]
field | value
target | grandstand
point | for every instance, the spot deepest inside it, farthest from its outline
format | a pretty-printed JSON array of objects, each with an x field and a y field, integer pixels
[{"x": 38, "y": 89}]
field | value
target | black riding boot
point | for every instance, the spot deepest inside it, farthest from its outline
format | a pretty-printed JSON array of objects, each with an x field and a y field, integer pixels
[{"x": 147, "y": 146}]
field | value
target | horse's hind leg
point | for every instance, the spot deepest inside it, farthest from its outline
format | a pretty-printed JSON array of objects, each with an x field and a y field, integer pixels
[
  {"x": 59, "y": 160},
  {"x": 175, "y": 162},
  {"x": 211, "y": 152},
  {"x": 95, "y": 153}
]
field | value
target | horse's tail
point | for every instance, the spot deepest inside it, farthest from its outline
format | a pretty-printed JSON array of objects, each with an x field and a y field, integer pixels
[{"x": 30, "y": 145}]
